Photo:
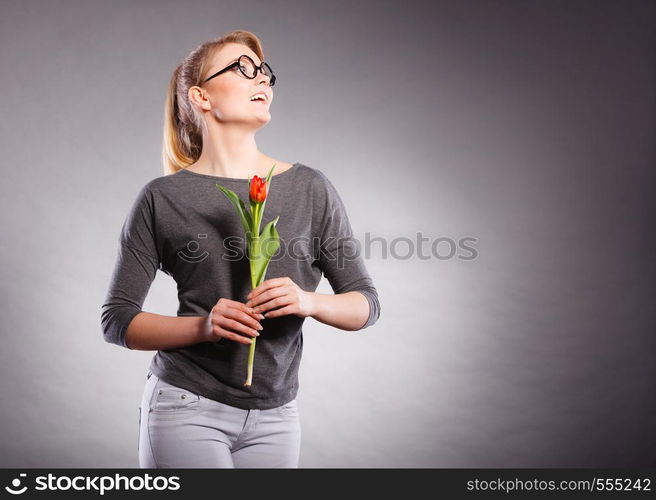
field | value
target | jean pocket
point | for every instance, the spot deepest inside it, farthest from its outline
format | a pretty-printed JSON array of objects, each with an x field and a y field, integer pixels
[{"x": 171, "y": 401}]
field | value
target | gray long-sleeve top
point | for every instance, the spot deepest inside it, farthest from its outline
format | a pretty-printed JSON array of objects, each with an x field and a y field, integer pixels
[{"x": 183, "y": 225}]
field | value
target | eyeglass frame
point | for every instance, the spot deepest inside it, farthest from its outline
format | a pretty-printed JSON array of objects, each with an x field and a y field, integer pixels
[{"x": 272, "y": 78}]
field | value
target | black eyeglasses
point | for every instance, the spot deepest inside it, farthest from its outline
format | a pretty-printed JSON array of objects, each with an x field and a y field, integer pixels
[{"x": 248, "y": 68}]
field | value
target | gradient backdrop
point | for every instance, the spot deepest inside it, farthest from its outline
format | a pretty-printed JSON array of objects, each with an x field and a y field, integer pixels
[{"x": 528, "y": 126}]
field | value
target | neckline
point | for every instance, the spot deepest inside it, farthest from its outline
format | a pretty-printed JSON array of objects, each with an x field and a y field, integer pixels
[{"x": 217, "y": 177}]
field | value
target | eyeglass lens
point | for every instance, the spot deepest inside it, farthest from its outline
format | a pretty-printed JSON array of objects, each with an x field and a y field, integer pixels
[{"x": 248, "y": 67}]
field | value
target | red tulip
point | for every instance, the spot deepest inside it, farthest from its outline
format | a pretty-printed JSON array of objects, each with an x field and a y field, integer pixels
[
  {"x": 261, "y": 245},
  {"x": 258, "y": 189}
]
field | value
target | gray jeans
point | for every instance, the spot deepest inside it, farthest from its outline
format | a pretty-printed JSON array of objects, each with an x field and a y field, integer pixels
[{"x": 181, "y": 429}]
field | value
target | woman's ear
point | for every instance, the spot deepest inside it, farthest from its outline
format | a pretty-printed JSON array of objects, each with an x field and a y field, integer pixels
[{"x": 199, "y": 97}]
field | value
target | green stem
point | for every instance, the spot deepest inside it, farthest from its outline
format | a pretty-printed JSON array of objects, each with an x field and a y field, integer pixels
[
  {"x": 257, "y": 219},
  {"x": 252, "y": 246},
  {"x": 251, "y": 356},
  {"x": 251, "y": 351}
]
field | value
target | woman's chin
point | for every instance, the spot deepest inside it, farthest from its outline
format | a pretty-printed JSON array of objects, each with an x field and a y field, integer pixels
[{"x": 263, "y": 118}]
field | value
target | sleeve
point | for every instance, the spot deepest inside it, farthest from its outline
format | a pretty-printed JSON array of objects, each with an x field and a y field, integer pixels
[
  {"x": 134, "y": 271},
  {"x": 340, "y": 258}
]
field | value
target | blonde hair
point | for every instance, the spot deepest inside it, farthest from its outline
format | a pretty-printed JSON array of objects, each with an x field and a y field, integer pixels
[{"x": 183, "y": 138}]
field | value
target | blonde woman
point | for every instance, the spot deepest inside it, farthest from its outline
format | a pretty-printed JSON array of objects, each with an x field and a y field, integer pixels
[{"x": 196, "y": 410}]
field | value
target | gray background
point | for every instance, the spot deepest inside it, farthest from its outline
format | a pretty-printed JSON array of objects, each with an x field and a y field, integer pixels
[{"x": 526, "y": 125}]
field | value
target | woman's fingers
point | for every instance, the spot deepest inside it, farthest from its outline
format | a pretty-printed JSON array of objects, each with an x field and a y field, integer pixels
[
  {"x": 232, "y": 320},
  {"x": 281, "y": 312},
  {"x": 248, "y": 310},
  {"x": 236, "y": 326},
  {"x": 285, "y": 300},
  {"x": 263, "y": 297},
  {"x": 220, "y": 332},
  {"x": 227, "y": 304},
  {"x": 244, "y": 317}
]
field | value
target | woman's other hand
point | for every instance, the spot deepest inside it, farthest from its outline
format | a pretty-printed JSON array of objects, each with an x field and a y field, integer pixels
[{"x": 279, "y": 296}]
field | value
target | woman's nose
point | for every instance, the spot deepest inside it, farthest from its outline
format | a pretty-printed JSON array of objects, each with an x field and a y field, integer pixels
[{"x": 265, "y": 78}]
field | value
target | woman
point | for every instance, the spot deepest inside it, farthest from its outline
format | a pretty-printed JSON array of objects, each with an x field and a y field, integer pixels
[{"x": 195, "y": 410}]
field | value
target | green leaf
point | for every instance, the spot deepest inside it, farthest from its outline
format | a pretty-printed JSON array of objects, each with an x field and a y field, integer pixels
[
  {"x": 244, "y": 215},
  {"x": 268, "y": 177},
  {"x": 270, "y": 239},
  {"x": 262, "y": 251},
  {"x": 268, "y": 185}
]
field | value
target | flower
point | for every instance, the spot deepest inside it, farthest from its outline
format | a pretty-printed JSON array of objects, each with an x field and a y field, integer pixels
[
  {"x": 258, "y": 189},
  {"x": 261, "y": 245}
]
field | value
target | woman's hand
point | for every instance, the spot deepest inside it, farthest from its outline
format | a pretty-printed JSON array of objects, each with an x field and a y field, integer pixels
[
  {"x": 230, "y": 319},
  {"x": 280, "y": 296}
]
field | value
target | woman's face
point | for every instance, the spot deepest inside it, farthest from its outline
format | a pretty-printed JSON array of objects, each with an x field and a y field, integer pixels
[{"x": 228, "y": 94}]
